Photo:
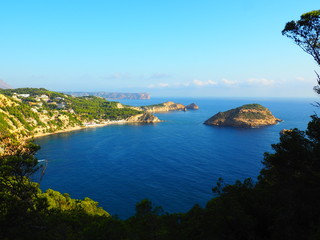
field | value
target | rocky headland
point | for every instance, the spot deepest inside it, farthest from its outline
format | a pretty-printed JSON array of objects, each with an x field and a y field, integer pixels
[
  {"x": 31, "y": 112},
  {"x": 35, "y": 112},
  {"x": 249, "y": 115},
  {"x": 163, "y": 107},
  {"x": 143, "y": 118},
  {"x": 192, "y": 106}
]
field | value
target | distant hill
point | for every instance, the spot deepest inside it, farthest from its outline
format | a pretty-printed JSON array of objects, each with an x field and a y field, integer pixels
[
  {"x": 4, "y": 85},
  {"x": 111, "y": 95},
  {"x": 249, "y": 115}
]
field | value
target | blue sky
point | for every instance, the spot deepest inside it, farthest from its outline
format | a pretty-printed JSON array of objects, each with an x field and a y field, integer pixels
[{"x": 165, "y": 47}]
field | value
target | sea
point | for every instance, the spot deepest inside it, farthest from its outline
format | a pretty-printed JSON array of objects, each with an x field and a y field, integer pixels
[{"x": 174, "y": 163}]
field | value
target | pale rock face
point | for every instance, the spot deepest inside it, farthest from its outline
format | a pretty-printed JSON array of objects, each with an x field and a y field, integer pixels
[
  {"x": 192, "y": 106},
  {"x": 144, "y": 117},
  {"x": 119, "y": 105},
  {"x": 4, "y": 101},
  {"x": 164, "y": 107},
  {"x": 250, "y": 115}
]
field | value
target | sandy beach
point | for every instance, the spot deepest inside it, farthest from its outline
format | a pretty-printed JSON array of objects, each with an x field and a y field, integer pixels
[{"x": 83, "y": 127}]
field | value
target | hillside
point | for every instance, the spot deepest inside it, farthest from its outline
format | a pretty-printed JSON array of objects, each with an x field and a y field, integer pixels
[
  {"x": 27, "y": 112},
  {"x": 249, "y": 115},
  {"x": 111, "y": 95}
]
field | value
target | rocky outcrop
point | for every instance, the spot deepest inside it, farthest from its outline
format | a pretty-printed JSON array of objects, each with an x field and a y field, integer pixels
[
  {"x": 162, "y": 107},
  {"x": 192, "y": 106},
  {"x": 250, "y": 115},
  {"x": 165, "y": 107},
  {"x": 119, "y": 105},
  {"x": 285, "y": 132},
  {"x": 144, "y": 118}
]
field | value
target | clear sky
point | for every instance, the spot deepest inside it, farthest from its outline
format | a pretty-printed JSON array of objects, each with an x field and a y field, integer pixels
[{"x": 194, "y": 48}]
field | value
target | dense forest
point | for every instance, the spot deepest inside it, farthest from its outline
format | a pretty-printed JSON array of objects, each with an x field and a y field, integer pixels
[{"x": 282, "y": 204}]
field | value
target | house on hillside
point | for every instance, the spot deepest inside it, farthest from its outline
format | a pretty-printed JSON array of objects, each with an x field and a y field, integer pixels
[
  {"x": 61, "y": 105},
  {"x": 44, "y": 97},
  {"x": 21, "y": 95}
]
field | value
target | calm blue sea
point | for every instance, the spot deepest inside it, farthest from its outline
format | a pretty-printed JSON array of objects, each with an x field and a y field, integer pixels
[{"x": 173, "y": 163}]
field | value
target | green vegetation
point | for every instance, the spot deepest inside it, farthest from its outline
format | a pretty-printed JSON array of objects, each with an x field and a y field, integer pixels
[
  {"x": 89, "y": 107},
  {"x": 32, "y": 91},
  {"x": 264, "y": 112},
  {"x": 22, "y": 113},
  {"x": 254, "y": 106},
  {"x": 252, "y": 115},
  {"x": 63, "y": 202},
  {"x": 26, "y": 111},
  {"x": 305, "y": 33},
  {"x": 245, "y": 112},
  {"x": 282, "y": 204},
  {"x": 27, "y": 213},
  {"x": 98, "y": 108},
  {"x": 153, "y": 105}
]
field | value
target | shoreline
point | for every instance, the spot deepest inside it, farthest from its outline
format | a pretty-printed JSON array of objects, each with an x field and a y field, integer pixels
[{"x": 85, "y": 127}]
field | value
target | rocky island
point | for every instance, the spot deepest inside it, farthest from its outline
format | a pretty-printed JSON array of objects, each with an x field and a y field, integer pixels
[
  {"x": 249, "y": 115},
  {"x": 143, "y": 118},
  {"x": 192, "y": 106},
  {"x": 163, "y": 107}
]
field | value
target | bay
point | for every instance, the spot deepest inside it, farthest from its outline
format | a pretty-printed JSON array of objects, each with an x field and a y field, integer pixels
[{"x": 174, "y": 163}]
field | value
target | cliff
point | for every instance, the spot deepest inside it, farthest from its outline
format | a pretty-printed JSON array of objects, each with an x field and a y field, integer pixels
[
  {"x": 250, "y": 115},
  {"x": 143, "y": 118},
  {"x": 162, "y": 107},
  {"x": 192, "y": 106}
]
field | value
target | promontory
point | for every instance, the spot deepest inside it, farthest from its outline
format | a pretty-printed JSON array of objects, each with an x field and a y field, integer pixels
[
  {"x": 161, "y": 107},
  {"x": 249, "y": 115},
  {"x": 192, "y": 106},
  {"x": 34, "y": 112}
]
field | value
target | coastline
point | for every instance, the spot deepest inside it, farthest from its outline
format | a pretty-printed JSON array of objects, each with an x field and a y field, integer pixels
[{"x": 85, "y": 126}]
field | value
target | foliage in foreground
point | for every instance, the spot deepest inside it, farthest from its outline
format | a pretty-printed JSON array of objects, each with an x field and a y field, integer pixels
[{"x": 282, "y": 204}]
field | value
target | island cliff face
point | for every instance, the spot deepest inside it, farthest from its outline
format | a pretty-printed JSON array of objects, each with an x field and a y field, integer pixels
[
  {"x": 249, "y": 115},
  {"x": 143, "y": 118},
  {"x": 192, "y": 106},
  {"x": 162, "y": 107}
]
